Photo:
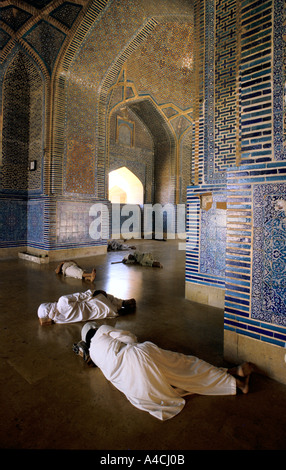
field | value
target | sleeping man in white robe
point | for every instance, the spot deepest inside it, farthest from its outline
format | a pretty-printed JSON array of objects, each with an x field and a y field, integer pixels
[
  {"x": 84, "y": 306},
  {"x": 153, "y": 379}
]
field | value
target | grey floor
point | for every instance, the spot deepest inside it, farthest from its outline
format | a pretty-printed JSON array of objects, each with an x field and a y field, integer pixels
[{"x": 50, "y": 399}]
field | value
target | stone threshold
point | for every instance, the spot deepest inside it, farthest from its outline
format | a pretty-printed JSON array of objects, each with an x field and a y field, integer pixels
[{"x": 40, "y": 259}]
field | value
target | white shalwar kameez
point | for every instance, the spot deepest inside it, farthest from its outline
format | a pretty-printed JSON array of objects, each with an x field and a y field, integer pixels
[
  {"x": 81, "y": 306},
  {"x": 153, "y": 379},
  {"x": 71, "y": 269}
]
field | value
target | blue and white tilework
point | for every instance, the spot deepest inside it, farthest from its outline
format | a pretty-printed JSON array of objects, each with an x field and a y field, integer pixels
[
  {"x": 206, "y": 238},
  {"x": 213, "y": 239},
  {"x": 269, "y": 253},
  {"x": 253, "y": 176}
]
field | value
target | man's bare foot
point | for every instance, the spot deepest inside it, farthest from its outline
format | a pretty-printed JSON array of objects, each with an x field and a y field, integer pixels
[
  {"x": 93, "y": 275},
  {"x": 45, "y": 321},
  {"x": 245, "y": 369},
  {"x": 242, "y": 374},
  {"x": 59, "y": 268},
  {"x": 157, "y": 264},
  {"x": 242, "y": 370},
  {"x": 243, "y": 384}
]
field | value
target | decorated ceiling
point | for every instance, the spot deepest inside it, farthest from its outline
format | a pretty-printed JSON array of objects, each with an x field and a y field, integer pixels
[{"x": 42, "y": 27}]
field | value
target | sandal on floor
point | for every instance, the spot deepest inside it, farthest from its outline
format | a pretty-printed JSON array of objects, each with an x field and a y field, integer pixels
[{"x": 82, "y": 350}]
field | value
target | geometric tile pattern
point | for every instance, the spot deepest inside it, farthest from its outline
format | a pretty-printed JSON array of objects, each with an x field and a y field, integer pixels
[
  {"x": 255, "y": 288},
  {"x": 13, "y": 222},
  {"x": 47, "y": 41},
  {"x": 144, "y": 57},
  {"x": 66, "y": 13},
  {"x": 4, "y": 38},
  {"x": 254, "y": 278},
  {"x": 279, "y": 88},
  {"x": 256, "y": 82},
  {"x": 206, "y": 237},
  {"x": 73, "y": 222},
  {"x": 14, "y": 17},
  {"x": 269, "y": 256},
  {"x": 219, "y": 112},
  {"x": 35, "y": 225},
  {"x": 22, "y": 136},
  {"x": 225, "y": 86},
  {"x": 213, "y": 238}
]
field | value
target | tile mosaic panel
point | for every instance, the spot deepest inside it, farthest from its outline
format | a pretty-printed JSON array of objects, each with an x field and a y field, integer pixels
[
  {"x": 206, "y": 236},
  {"x": 66, "y": 13},
  {"x": 137, "y": 48},
  {"x": 213, "y": 238},
  {"x": 47, "y": 41},
  {"x": 13, "y": 222},
  {"x": 219, "y": 111},
  {"x": 269, "y": 254},
  {"x": 254, "y": 293},
  {"x": 225, "y": 86},
  {"x": 238, "y": 248},
  {"x": 197, "y": 153},
  {"x": 39, "y": 3},
  {"x": 4, "y": 38},
  {"x": 279, "y": 80},
  {"x": 245, "y": 306},
  {"x": 73, "y": 223},
  {"x": 14, "y": 17},
  {"x": 35, "y": 223},
  {"x": 256, "y": 81},
  {"x": 22, "y": 135}
]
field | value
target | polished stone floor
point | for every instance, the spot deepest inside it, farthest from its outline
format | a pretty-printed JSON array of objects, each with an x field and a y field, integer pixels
[{"x": 50, "y": 399}]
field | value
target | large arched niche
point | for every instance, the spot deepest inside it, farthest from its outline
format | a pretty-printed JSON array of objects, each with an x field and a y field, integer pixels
[
  {"x": 22, "y": 125},
  {"x": 164, "y": 142},
  {"x": 81, "y": 91},
  {"x": 139, "y": 137}
]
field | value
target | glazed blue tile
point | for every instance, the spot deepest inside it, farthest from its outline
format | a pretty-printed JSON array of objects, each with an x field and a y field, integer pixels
[
  {"x": 236, "y": 300},
  {"x": 273, "y": 341},
  {"x": 231, "y": 307},
  {"x": 247, "y": 333}
]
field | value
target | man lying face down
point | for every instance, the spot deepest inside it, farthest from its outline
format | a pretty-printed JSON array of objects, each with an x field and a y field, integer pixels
[
  {"x": 84, "y": 306},
  {"x": 153, "y": 379}
]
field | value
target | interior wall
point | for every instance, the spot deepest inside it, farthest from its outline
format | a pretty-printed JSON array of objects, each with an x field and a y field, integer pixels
[
  {"x": 130, "y": 80},
  {"x": 235, "y": 250},
  {"x": 78, "y": 53},
  {"x": 22, "y": 142}
]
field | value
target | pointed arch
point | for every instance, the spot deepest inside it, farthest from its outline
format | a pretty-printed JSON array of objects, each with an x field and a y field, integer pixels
[
  {"x": 22, "y": 127},
  {"x": 124, "y": 187}
]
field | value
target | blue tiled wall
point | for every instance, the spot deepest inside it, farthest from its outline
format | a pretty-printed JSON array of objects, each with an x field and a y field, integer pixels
[{"x": 242, "y": 138}]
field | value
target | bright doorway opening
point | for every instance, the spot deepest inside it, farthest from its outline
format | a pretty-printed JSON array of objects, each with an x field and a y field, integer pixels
[{"x": 124, "y": 187}]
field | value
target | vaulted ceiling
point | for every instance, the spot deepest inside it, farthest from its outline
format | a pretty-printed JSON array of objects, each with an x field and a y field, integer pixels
[{"x": 42, "y": 27}]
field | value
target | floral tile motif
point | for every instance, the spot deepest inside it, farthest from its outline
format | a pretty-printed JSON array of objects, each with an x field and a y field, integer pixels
[
  {"x": 213, "y": 239},
  {"x": 35, "y": 221},
  {"x": 269, "y": 253}
]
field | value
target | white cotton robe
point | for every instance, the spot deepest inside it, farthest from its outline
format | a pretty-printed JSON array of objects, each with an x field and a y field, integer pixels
[
  {"x": 83, "y": 306},
  {"x": 71, "y": 269},
  {"x": 153, "y": 379}
]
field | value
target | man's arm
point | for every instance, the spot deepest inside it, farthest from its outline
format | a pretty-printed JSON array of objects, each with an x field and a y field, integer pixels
[{"x": 122, "y": 335}]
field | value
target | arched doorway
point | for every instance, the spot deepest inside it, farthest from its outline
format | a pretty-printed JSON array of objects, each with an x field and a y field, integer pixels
[{"x": 124, "y": 187}]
